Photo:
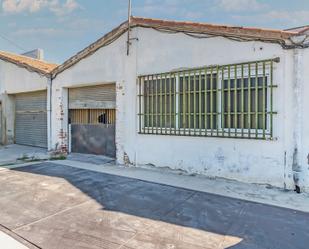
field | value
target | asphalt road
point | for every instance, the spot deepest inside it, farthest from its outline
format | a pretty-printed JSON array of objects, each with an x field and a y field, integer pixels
[{"x": 55, "y": 206}]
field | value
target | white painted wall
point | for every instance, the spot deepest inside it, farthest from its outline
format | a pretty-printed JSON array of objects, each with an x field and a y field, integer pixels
[
  {"x": 13, "y": 80},
  {"x": 246, "y": 160}
]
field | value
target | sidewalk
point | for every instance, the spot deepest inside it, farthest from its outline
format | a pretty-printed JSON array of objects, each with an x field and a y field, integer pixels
[
  {"x": 12, "y": 154},
  {"x": 250, "y": 192}
]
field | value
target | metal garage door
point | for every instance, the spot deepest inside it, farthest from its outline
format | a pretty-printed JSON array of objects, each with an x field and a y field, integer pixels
[
  {"x": 31, "y": 119},
  {"x": 92, "y": 119}
]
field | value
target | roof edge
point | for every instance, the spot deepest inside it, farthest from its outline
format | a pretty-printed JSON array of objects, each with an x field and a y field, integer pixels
[
  {"x": 266, "y": 35},
  {"x": 25, "y": 65},
  {"x": 92, "y": 48},
  {"x": 199, "y": 25}
]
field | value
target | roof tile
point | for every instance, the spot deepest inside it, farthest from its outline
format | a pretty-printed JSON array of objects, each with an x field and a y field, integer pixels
[{"x": 27, "y": 62}]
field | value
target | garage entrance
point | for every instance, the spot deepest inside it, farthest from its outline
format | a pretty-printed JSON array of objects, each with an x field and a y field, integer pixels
[
  {"x": 92, "y": 119},
  {"x": 31, "y": 119}
]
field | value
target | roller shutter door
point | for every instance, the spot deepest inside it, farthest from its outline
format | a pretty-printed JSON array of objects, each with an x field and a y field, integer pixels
[
  {"x": 93, "y": 97},
  {"x": 31, "y": 119}
]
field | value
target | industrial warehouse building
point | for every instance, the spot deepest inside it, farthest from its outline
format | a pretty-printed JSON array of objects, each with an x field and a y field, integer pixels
[{"x": 209, "y": 99}]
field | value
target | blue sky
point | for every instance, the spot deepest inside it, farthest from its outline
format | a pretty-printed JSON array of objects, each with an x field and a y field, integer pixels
[{"x": 64, "y": 27}]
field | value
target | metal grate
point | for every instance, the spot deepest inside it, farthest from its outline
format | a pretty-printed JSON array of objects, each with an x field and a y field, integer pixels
[
  {"x": 233, "y": 100},
  {"x": 92, "y": 116}
]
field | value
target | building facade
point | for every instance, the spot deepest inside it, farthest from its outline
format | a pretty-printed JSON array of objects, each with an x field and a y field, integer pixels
[{"x": 214, "y": 100}]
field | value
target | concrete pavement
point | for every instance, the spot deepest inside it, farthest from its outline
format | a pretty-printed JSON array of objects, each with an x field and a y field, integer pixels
[
  {"x": 57, "y": 206},
  {"x": 16, "y": 155},
  {"x": 264, "y": 194},
  {"x": 12, "y": 154}
]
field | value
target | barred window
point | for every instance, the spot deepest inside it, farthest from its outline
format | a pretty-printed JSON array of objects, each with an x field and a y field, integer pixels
[
  {"x": 223, "y": 101},
  {"x": 198, "y": 101},
  {"x": 246, "y": 102},
  {"x": 159, "y": 102}
]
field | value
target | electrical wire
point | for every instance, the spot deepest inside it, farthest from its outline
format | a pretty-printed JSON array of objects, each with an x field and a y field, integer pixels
[
  {"x": 201, "y": 35},
  {"x": 162, "y": 29},
  {"x": 12, "y": 43}
]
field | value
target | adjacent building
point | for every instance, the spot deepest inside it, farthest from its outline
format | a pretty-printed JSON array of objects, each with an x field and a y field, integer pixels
[{"x": 24, "y": 100}]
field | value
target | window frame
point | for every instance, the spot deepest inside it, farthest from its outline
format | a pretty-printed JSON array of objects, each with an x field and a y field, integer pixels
[{"x": 258, "y": 69}]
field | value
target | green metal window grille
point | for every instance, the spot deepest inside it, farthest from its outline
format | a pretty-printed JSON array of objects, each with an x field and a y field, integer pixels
[{"x": 233, "y": 100}]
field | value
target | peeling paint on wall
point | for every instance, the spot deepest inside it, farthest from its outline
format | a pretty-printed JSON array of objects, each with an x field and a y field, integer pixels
[{"x": 126, "y": 159}]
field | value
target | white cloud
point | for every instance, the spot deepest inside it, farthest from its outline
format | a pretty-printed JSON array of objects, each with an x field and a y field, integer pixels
[
  {"x": 177, "y": 8},
  {"x": 283, "y": 18},
  {"x": 15, "y": 6},
  {"x": 37, "y": 32},
  {"x": 55, "y": 6},
  {"x": 63, "y": 9},
  {"x": 293, "y": 17},
  {"x": 241, "y": 5},
  {"x": 67, "y": 27}
]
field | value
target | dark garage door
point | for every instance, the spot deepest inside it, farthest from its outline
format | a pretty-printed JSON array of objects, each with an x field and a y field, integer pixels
[{"x": 97, "y": 139}]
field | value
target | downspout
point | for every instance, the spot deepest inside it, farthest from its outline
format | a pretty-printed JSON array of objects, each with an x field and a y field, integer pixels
[
  {"x": 297, "y": 117},
  {"x": 49, "y": 112}
]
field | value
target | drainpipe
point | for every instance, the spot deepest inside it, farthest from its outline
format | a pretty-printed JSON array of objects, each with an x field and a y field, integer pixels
[
  {"x": 49, "y": 112},
  {"x": 297, "y": 117}
]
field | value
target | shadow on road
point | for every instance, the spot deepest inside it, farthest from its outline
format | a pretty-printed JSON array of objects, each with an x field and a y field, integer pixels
[{"x": 256, "y": 225}]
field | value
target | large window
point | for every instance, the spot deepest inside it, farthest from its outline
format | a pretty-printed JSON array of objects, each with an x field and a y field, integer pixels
[{"x": 224, "y": 101}]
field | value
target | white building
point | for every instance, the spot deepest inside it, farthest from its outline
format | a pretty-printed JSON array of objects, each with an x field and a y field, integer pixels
[
  {"x": 216, "y": 125},
  {"x": 24, "y": 100}
]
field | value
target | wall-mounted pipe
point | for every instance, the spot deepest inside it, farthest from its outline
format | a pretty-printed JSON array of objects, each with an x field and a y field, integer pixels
[
  {"x": 298, "y": 117},
  {"x": 49, "y": 112}
]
